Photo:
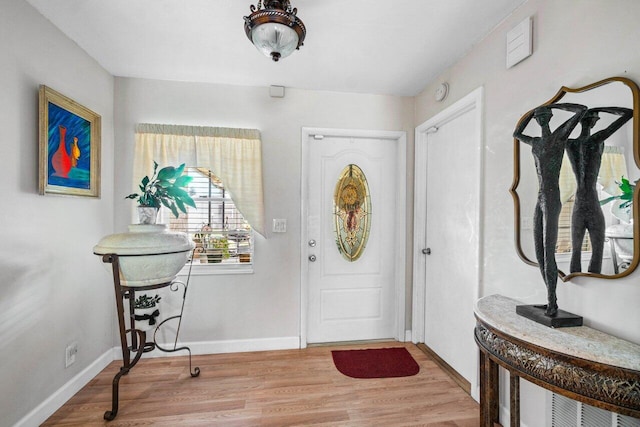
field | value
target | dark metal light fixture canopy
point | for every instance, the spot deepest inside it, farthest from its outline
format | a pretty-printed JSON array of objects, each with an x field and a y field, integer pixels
[{"x": 275, "y": 28}]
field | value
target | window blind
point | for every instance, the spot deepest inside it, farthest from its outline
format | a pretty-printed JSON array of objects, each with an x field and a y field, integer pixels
[{"x": 217, "y": 227}]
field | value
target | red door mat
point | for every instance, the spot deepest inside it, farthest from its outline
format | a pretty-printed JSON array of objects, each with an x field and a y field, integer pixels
[{"x": 375, "y": 363}]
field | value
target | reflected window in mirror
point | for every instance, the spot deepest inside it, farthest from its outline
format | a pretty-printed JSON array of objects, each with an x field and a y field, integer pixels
[{"x": 613, "y": 108}]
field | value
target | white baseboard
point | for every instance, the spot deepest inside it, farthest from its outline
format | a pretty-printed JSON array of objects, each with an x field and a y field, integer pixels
[
  {"x": 407, "y": 335},
  {"x": 241, "y": 346},
  {"x": 54, "y": 402},
  {"x": 505, "y": 416},
  {"x": 218, "y": 347},
  {"x": 47, "y": 408}
]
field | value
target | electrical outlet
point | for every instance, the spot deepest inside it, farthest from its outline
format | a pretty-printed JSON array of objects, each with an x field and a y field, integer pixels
[{"x": 70, "y": 354}]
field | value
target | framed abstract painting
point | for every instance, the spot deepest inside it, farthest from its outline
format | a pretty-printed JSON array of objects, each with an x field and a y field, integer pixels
[{"x": 69, "y": 146}]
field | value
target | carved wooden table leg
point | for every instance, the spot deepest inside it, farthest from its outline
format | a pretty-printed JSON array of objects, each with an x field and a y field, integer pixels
[
  {"x": 514, "y": 393},
  {"x": 586, "y": 365},
  {"x": 489, "y": 391}
]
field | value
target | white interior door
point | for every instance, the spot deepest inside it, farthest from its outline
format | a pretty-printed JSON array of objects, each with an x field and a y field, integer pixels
[
  {"x": 450, "y": 158},
  {"x": 351, "y": 300}
]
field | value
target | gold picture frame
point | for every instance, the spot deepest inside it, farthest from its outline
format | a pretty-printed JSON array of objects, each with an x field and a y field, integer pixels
[{"x": 69, "y": 141}]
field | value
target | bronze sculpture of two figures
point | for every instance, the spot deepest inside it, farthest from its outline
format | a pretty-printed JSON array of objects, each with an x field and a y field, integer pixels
[{"x": 584, "y": 153}]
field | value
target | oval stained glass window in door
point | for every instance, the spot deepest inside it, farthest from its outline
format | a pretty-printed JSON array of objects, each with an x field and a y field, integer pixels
[{"x": 352, "y": 212}]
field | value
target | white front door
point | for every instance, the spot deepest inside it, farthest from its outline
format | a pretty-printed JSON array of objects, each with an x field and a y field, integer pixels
[
  {"x": 447, "y": 218},
  {"x": 351, "y": 299}
]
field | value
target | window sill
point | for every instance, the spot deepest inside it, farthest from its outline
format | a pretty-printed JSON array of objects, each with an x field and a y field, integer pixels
[
  {"x": 215, "y": 269},
  {"x": 565, "y": 257}
]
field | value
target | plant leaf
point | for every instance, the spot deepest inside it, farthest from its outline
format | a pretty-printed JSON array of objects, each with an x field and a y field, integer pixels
[
  {"x": 174, "y": 210},
  {"x": 179, "y": 170},
  {"x": 181, "y": 205},
  {"x": 607, "y": 200},
  {"x": 189, "y": 201},
  {"x": 166, "y": 173},
  {"x": 177, "y": 193},
  {"x": 164, "y": 183},
  {"x": 626, "y": 187},
  {"x": 183, "y": 181}
]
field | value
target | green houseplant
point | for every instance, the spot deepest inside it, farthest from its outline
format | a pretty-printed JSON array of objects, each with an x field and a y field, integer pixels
[
  {"x": 217, "y": 248},
  {"x": 626, "y": 198},
  {"x": 165, "y": 187},
  {"x": 145, "y": 301}
]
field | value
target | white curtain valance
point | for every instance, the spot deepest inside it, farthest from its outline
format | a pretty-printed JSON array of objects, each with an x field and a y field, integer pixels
[
  {"x": 182, "y": 130},
  {"x": 233, "y": 155},
  {"x": 612, "y": 169}
]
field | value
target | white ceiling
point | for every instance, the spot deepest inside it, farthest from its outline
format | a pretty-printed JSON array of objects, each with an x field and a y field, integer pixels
[{"x": 368, "y": 46}]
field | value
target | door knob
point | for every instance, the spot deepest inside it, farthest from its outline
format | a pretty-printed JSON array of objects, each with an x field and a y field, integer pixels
[
  {"x": 426, "y": 251},
  {"x": 312, "y": 258},
  {"x": 312, "y": 243}
]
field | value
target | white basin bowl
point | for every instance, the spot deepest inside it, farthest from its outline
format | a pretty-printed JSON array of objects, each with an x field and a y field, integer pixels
[
  {"x": 148, "y": 254},
  {"x": 622, "y": 235}
]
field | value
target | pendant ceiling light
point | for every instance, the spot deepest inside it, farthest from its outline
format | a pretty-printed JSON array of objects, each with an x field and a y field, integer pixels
[{"x": 275, "y": 29}]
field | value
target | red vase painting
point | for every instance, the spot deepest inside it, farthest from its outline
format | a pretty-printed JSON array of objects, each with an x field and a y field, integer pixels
[
  {"x": 69, "y": 146},
  {"x": 60, "y": 161}
]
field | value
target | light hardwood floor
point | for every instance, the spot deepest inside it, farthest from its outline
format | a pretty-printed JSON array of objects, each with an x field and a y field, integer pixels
[{"x": 271, "y": 389}]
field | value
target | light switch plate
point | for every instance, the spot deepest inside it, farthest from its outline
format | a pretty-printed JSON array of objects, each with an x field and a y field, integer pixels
[
  {"x": 276, "y": 91},
  {"x": 279, "y": 225}
]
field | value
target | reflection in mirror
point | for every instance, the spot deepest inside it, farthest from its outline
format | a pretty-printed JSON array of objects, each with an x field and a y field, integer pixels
[{"x": 596, "y": 231}]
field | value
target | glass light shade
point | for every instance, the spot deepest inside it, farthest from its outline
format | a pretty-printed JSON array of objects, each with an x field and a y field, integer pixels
[{"x": 274, "y": 40}]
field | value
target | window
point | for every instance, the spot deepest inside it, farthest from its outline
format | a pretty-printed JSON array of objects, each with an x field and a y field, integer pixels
[
  {"x": 564, "y": 230},
  {"x": 612, "y": 168},
  {"x": 226, "y": 165},
  {"x": 217, "y": 227}
]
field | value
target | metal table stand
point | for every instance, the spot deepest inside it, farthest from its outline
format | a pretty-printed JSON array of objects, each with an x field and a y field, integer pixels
[{"x": 139, "y": 342}]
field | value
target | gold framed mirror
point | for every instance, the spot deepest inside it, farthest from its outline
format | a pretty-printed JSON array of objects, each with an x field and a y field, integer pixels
[{"x": 618, "y": 164}]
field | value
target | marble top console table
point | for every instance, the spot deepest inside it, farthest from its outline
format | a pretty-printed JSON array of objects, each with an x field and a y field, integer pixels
[{"x": 578, "y": 362}]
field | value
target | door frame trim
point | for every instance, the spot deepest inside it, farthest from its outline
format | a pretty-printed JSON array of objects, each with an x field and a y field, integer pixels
[
  {"x": 400, "y": 226},
  {"x": 473, "y": 100}
]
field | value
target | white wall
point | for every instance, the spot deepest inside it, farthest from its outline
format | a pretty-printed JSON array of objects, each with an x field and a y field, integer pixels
[
  {"x": 224, "y": 309},
  {"x": 50, "y": 296},
  {"x": 576, "y": 42},
  {"x": 53, "y": 290}
]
